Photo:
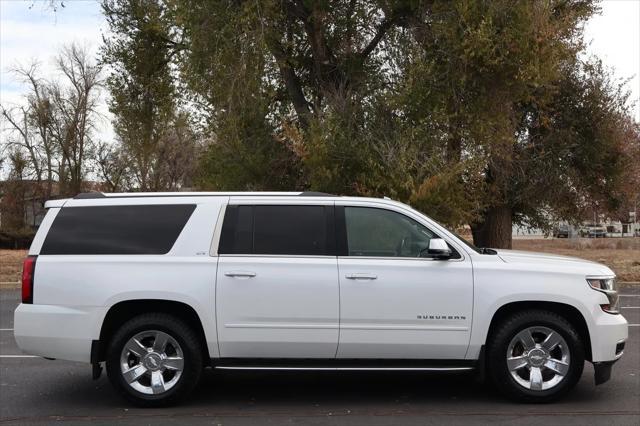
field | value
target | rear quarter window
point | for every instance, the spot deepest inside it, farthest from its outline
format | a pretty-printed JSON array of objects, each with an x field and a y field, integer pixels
[{"x": 140, "y": 229}]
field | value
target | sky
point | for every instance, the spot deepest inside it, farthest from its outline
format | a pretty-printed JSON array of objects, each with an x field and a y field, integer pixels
[
  {"x": 29, "y": 31},
  {"x": 614, "y": 36}
]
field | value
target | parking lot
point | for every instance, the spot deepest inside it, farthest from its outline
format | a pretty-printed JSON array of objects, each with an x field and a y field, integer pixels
[{"x": 36, "y": 391}]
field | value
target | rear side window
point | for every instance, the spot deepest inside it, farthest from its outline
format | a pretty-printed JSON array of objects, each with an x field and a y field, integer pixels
[
  {"x": 237, "y": 231},
  {"x": 296, "y": 230},
  {"x": 148, "y": 229},
  {"x": 278, "y": 230}
]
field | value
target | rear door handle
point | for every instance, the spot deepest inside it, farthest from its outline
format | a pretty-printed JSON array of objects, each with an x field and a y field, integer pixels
[
  {"x": 240, "y": 274},
  {"x": 361, "y": 277}
]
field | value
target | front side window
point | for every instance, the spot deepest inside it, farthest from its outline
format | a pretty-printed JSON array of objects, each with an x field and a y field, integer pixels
[{"x": 376, "y": 232}]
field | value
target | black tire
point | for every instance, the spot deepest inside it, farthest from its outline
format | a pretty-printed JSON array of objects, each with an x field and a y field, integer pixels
[
  {"x": 498, "y": 345},
  {"x": 178, "y": 330}
]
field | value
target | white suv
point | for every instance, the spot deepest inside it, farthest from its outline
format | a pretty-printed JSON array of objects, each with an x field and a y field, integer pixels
[{"x": 161, "y": 285}]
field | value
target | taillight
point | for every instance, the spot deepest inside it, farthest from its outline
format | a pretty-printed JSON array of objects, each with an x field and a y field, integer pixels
[{"x": 28, "y": 271}]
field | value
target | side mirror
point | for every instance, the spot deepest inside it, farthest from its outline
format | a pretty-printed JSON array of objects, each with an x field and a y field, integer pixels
[{"x": 438, "y": 249}]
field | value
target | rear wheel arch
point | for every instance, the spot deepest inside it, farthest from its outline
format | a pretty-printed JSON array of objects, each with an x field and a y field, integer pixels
[
  {"x": 568, "y": 312},
  {"x": 121, "y": 312}
]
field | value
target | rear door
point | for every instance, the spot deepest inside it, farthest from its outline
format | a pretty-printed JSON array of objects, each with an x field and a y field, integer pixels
[{"x": 277, "y": 280}]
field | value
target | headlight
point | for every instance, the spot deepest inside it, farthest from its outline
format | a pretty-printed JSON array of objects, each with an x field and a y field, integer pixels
[{"x": 609, "y": 287}]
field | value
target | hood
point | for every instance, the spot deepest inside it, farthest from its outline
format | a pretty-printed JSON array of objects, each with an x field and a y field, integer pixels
[{"x": 518, "y": 256}]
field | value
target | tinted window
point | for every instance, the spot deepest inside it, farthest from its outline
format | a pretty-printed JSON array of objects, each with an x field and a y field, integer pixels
[
  {"x": 296, "y": 230},
  {"x": 149, "y": 229},
  {"x": 280, "y": 230},
  {"x": 237, "y": 231},
  {"x": 379, "y": 232}
]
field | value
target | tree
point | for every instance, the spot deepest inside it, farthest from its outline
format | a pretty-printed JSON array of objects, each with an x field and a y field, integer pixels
[
  {"x": 488, "y": 75},
  {"x": 113, "y": 167},
  {"x": 140, "y": 50},
  {"x": 269, "y": 74},
  {"x": 454, "y": 106},
  {"x": 54, "y": 127},
  {"x": 75, "y": 105},
  {"x": 586, "y": 136},
  {"x": 12, "y": 208},
  {"x": 32, "y": 124}
]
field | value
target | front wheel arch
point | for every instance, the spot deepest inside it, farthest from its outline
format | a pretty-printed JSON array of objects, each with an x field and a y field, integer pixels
[{"x": 568, "y": 312}]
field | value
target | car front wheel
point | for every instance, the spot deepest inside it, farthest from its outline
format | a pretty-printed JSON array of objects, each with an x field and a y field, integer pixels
[
  {"x": 535, "y": 356},
  {"x": 154, "y": 360}
]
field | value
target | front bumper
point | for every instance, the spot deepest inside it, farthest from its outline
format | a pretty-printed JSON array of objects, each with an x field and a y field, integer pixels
[
  {"x": 607, "y": 333},
  {"x": 608, "y": 338}
]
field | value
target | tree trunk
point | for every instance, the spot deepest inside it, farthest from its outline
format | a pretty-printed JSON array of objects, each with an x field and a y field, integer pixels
[{"x": 495, "y": 229}]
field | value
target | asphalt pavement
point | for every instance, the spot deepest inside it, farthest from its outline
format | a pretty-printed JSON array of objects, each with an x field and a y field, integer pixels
[{"x": 37, "y": 391}]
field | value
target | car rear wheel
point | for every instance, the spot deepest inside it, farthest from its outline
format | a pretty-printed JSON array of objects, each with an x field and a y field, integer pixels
[
  {"x": 154, "y": 360},
  {"x": 535, "y": 356}
]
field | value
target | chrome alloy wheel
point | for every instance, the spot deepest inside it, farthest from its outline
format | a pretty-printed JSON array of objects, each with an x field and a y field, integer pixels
[
  {"x": 151, "y": 362},
  {"x": 538, "y": 358}
]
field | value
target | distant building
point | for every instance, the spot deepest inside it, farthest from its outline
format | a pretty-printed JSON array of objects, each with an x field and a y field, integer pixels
[{"x": 22, "y": 202}]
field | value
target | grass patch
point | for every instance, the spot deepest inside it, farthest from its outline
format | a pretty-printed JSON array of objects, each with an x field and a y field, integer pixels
[{"x": 11, "y": 266}]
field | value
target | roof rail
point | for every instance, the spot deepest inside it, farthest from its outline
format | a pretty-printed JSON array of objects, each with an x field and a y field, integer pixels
[
  {"x": 89, "y": 195},
  {"x": 315, "y": 194},
  {"x": 95, "y": 195}
]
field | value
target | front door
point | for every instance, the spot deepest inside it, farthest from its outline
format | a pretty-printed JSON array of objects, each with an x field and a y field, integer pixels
[
  {"x": 393, "y": 302},
  {"x": 277, "y": 285}
]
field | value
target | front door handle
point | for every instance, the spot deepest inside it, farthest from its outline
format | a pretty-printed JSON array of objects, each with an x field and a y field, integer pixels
[
  {"x": 240, "y": 274},
  {"x": 361, "y": 277}
]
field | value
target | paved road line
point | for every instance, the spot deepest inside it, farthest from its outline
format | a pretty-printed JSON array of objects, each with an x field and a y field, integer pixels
[
  {"x": 19, "y": 356},
  {"x": 629, "y": 307},
  {"x": 6, "y": 329}
]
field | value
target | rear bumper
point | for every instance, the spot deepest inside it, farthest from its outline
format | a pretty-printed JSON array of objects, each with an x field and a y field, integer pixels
[{"x": 56, "y": 331}]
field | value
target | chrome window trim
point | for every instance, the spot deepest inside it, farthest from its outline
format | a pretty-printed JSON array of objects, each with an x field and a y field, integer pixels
[
  {"x": 321, "y": 201},
  {"x": 418, "y": 259},
  {"x": 297, "y": 256}
]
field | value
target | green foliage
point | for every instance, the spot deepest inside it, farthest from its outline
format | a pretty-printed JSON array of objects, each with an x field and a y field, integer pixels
[
  {"x": 462, "y": 108},
  {"x": 249, "y": 156},
  {"x": 141, "y": 49},
  {"x": 586, "y": 136}
]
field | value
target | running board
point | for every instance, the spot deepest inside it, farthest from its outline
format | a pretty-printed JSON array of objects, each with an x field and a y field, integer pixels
[
  {"x": 291, "y": 368},
  {"x": 333, "y": 364}
]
